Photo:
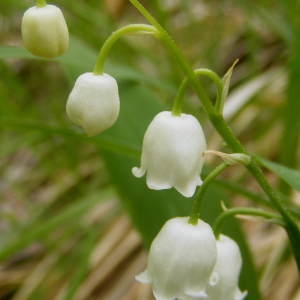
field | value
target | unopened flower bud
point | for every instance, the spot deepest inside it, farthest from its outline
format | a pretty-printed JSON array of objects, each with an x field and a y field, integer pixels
[
  {"x": 181, "y": 260},
  {"x": 94, "y": 103},
  {"x": 226, "y": 272},
  {"x": 172, "y": 153},
  {"x": 44, "y": 31}
]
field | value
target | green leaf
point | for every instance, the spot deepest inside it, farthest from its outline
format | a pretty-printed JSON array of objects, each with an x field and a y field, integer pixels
[
  {"x": 226, "y": 84},
  {"x": 289, "y": 152},
  {"x": 290, "y": 176},
  {"x": 11, "y": 52}
]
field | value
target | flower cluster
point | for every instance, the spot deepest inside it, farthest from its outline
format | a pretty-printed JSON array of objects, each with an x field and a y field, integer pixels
[
  {"x": 173, "y": 145},
  {"x": 186, "y": 262}
]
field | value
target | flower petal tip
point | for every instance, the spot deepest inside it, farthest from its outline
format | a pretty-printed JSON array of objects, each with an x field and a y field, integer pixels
[
  {"x": 214, "y": 279},
  {"x": 143, "y": 277},
  {"x": 156, "y": 185},
  {"x": 240, "y": 295},
  {"x": 186, "y": 191},
  {"x": 137, "y": 172},
  {"x": 199, "y": 181}
]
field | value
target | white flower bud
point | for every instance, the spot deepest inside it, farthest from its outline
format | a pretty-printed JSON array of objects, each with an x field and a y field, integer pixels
[
  {"x": 94, "y": 102},
  {"x": 181, "y": 260},
  {"x": 172, "y": 153},
  {"x": 44, "y": 31},
  {"x": 226, "y": 272}
]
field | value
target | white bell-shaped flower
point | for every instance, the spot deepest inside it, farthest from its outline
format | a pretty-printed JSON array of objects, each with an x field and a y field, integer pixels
[
  {"x": 94, "y": 103},
  {"x": 181, "y": 260},
  {"x": 226, "y": 272},
  {"x": 172, "y": 153},
  {"x": 44, "y": 31}
]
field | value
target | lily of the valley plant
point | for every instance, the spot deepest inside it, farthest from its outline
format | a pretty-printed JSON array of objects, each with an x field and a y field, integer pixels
[{"x": 187, "y": 259}]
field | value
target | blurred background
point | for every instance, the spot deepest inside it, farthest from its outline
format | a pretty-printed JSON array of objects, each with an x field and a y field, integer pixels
[{"x": 74, "y": 222}]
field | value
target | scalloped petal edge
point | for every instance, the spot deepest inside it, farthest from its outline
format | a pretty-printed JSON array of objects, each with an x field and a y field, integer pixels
[
  {"x": 138, "y": 172},
  {"x": 240, "y": 295},
  {"x": 143, "y": 277}
]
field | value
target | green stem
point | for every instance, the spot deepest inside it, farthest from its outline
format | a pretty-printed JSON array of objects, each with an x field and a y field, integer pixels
[
  {"x": 116, "y": 35},
  {"x": 41, "y": 3},
  {"x": 177, "y": 106},
  {"x": 245, "y": 211},
  {"x": 177, "y": 55},
  {"x": 195, "y": 213},
  {"x": 293, "y": 209},
  {"x": 225, "y": 131}
]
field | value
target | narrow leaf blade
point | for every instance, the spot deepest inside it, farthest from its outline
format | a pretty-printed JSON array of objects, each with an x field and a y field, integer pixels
[{"x": 290, "y": 176}]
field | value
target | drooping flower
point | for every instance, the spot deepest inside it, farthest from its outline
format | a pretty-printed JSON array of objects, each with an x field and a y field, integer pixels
[
  {"x": 181, "y": 260},
  {"x": 172, "y": 153},
  {"x": 44, "y": 31},
  {"x": 226, "y": 272},
  {"x": 94, "y": 102}
]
